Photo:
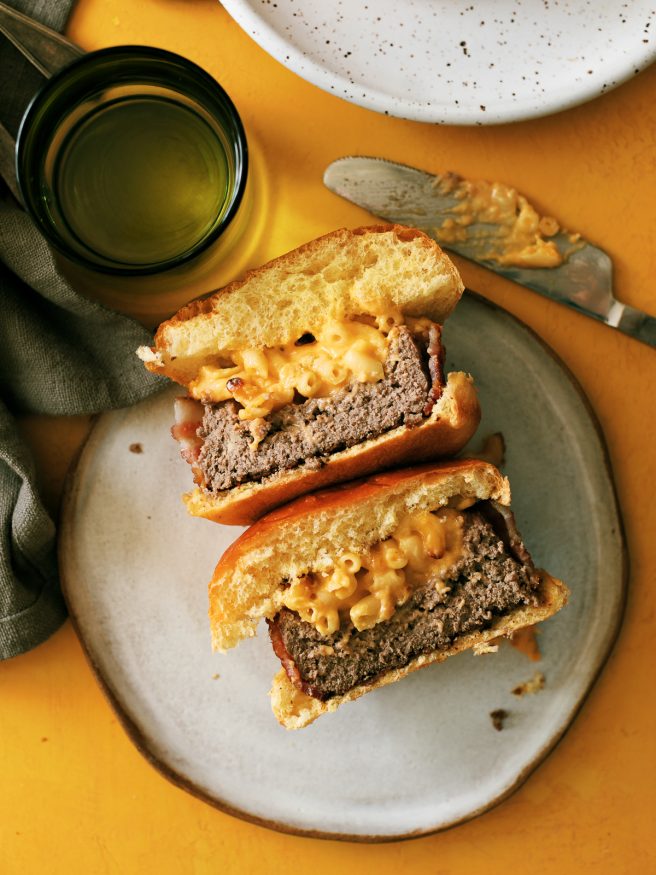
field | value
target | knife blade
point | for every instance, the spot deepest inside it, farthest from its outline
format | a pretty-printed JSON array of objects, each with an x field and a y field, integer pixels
[{"x": 481, "y": 222}]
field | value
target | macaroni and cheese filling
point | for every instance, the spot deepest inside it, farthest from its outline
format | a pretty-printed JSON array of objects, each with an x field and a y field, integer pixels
[
  {"x": 440, "y": 575},
  {"x": 365, "y": 589},
  {"x": 314, "y": 366}
]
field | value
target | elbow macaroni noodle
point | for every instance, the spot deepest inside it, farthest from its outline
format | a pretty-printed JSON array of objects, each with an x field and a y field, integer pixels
[
  {"x": 367, "y": 588},
  {"x": 264, "y": 380}
]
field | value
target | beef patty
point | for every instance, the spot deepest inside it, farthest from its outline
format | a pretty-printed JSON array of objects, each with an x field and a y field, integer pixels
[
  {"x": 301, "y": 434},
  {"x": 488, "y": 580}
]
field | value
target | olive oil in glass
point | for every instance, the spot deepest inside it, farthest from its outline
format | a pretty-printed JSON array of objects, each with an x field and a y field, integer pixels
[
  {"x": 133, "y": 161},
  {"x": 141, "y": 180}
]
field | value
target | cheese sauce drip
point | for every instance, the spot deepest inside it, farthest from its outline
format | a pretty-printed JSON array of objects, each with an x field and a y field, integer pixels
[
  {"x": 367, "y": 588},
  {"x": 264, "y": 380},
  {"x": 516, "y": 234}
]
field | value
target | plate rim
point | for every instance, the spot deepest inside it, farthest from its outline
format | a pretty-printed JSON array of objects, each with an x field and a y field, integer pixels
[
  {"x": 291, "y": 57},
  {"x": 141, "y": 741}
]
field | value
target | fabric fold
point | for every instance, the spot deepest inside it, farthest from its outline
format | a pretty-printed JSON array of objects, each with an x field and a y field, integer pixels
[{"x": 60, "y": 354}]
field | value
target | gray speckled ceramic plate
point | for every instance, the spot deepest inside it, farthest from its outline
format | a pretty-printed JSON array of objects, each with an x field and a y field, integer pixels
[
  {"x": 410, "y": 758},
  {"x": 456, "y": 62}
]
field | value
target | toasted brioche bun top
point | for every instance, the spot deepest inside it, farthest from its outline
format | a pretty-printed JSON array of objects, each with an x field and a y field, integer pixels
[
  {"x": 345, "y": 273},
  {"x": 305, "y": 535}
]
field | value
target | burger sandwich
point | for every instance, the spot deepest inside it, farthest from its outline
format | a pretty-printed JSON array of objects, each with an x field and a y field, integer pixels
[
  {"x": 363, "y": 583},
  {"x": 323, "y": 365}
]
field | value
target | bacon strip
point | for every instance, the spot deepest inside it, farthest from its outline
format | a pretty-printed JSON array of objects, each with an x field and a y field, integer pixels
[
  {"x": 288, "y": 663},
  {"x": 188, "y": 419},
  {"x": 502, "y": 520},
  {"x": 435, "y": 352},
  {"x": 183, "y": 430}
]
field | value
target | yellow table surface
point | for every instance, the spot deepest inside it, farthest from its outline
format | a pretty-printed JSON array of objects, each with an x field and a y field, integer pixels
[{"x": 75, "y": 794}]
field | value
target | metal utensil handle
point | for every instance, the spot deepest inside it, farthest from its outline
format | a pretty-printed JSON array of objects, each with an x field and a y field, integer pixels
[
  {"x": 638, "y": 325},
  {"x": 43, "y": 47}
]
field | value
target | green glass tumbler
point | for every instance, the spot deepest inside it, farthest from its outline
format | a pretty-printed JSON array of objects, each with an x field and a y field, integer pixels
[{"x": 132, "y": 160}]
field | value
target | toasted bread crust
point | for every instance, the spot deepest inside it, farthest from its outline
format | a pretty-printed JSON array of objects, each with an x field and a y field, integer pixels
[
  {"x": 204, "y": 306},
  {"x": 449, "y": 428},
  {"x": 342, "y": 274},
  {"x": 295, "y": 710}
]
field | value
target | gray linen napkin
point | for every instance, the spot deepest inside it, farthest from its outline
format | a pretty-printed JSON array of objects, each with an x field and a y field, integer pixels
[{"x": 60, "y": 354}]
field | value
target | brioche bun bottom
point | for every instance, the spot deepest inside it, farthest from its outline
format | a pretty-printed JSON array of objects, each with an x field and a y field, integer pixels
[{"x": 295, "y": 710}]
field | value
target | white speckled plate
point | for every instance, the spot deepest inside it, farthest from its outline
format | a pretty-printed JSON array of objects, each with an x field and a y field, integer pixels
[
  {"x": 410, "y": 758},
  {"x": 456, "y": 62}
]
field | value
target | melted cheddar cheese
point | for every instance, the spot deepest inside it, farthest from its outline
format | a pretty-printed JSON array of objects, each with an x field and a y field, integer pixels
[
  {"x": 264, "y": 380},
  {"x": 365, "y": 589}
]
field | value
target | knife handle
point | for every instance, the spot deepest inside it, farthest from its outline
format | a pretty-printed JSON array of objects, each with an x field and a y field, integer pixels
[{"x": 638, "y": 325}]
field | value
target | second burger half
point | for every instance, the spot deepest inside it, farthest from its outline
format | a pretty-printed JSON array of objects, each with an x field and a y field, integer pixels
[{"x": 363, "y": 583}]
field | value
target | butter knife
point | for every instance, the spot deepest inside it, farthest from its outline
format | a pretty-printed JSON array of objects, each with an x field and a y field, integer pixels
[
  {"x": 47, "y": 51},
  {"x": 43, "y": 47},
  {"x": 443, "y": 207}
]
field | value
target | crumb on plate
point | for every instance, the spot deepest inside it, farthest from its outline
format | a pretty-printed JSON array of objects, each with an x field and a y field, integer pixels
[
  {"x": 498, "y": 718},
  {"x": 534, "y": 685}
]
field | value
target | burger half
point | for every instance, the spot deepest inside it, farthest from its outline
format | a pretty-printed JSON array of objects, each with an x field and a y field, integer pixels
[
  {"x": 321, "y": 366},
  {"x": 364, "y": 583}
]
